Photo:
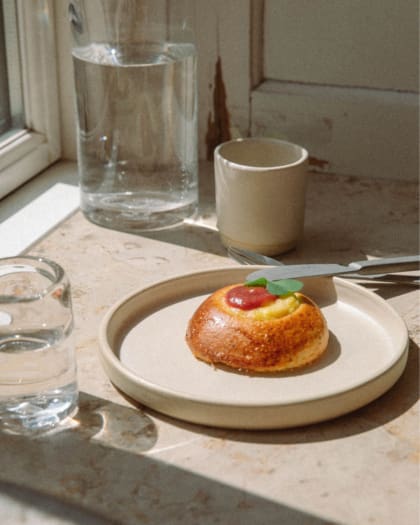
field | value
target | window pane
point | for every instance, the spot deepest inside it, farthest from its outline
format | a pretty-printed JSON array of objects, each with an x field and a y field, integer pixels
[
  {"x": 30, "y": 138},
  {"x": 11, "y": 101},
  {"x": 4, "y": 88}
]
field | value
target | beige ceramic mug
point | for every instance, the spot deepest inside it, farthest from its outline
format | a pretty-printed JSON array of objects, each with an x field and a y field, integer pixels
[{"x": 260, "y": 194}]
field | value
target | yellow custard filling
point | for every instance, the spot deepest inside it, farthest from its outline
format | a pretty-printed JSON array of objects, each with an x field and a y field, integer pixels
[{"x": 281, "y": 307}]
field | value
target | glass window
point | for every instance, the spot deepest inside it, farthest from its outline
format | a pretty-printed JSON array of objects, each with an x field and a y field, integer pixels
[
  {"x": 5, "y": 117},
  {"x": 11, "y": 101},
  {"x": 29, "y": 118}
]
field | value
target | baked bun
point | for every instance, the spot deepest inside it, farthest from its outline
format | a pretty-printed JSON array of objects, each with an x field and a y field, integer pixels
[{"x": 288, "y": 333}]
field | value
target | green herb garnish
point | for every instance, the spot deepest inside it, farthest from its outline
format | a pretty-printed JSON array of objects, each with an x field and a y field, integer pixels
[{"x": 281, "y": 287}]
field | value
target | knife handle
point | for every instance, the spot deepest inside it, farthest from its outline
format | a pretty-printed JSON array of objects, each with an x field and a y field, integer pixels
[{"x": 388, "y": 264}]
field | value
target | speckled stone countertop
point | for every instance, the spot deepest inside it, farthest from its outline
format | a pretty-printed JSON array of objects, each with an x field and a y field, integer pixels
[{"x": 122, "y": 463}]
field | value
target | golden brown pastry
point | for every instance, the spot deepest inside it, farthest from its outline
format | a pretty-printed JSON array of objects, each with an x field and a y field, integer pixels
[{"x": 266, "y": 334}]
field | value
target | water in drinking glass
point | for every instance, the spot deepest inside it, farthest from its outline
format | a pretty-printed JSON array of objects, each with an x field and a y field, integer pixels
[{"x": 38, "y": 379}]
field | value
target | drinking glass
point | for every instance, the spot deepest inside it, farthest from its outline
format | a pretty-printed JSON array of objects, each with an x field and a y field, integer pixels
[{"x": 38, "y": 382}]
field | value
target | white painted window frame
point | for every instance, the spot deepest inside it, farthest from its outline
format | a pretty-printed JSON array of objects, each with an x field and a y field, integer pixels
[
  {"x": 348, "y": 130},
  {"x": 29, "y": 151}
]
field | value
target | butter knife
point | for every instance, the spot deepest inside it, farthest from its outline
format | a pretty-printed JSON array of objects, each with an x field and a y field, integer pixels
[
  {"x": 249, "y": 257},
  {"x": 362, "y": 268}
]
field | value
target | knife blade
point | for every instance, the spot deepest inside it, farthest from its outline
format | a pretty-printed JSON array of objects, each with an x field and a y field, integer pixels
[
  {"x": 328, "y": 269},
  {"x": 249, "y": 257}
]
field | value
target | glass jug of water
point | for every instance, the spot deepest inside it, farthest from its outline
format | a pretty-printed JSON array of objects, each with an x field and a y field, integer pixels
[{"x": 136, "y": 99}]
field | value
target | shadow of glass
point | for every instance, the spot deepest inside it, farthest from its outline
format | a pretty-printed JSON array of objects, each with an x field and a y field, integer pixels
[
  {"x": 102, "y": 421},
  {"x": 193, "y": 234},
  {"x": 83, "y": 475},
  {"x": 115, "y": 425}
]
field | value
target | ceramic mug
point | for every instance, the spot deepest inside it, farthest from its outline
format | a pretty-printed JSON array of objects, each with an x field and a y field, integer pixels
[{"x": 260, "y": 194}]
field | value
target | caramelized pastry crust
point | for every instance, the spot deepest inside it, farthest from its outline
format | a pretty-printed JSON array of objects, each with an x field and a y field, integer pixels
[{"x": 246, "y": 340}]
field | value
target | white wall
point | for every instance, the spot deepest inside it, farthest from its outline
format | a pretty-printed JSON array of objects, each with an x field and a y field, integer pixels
[{"x": 350, "y": 43}]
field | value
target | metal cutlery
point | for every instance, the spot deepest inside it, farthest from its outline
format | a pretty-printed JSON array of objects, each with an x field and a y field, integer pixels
[{"x": 355, "y": 270}]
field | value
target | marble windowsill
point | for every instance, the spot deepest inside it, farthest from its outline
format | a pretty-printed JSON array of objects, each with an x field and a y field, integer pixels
[
  {"x": 34, "y": 209},
  {"x": 122, "y": 463}
]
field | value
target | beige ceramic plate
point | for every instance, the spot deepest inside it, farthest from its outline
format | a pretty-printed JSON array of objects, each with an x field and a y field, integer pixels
[{"x": 143, "y": 350}]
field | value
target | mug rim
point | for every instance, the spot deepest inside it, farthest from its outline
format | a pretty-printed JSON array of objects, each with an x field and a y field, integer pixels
[{"x": 303, "y": 157}]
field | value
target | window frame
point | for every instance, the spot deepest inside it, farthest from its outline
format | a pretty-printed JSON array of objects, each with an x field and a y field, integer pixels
[
  {"x": 29, "y": 151},
  {"x": 348, "y": 130}
]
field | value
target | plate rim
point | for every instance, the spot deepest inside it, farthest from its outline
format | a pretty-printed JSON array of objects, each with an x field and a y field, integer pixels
[{"x": 110, "y": 360}]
